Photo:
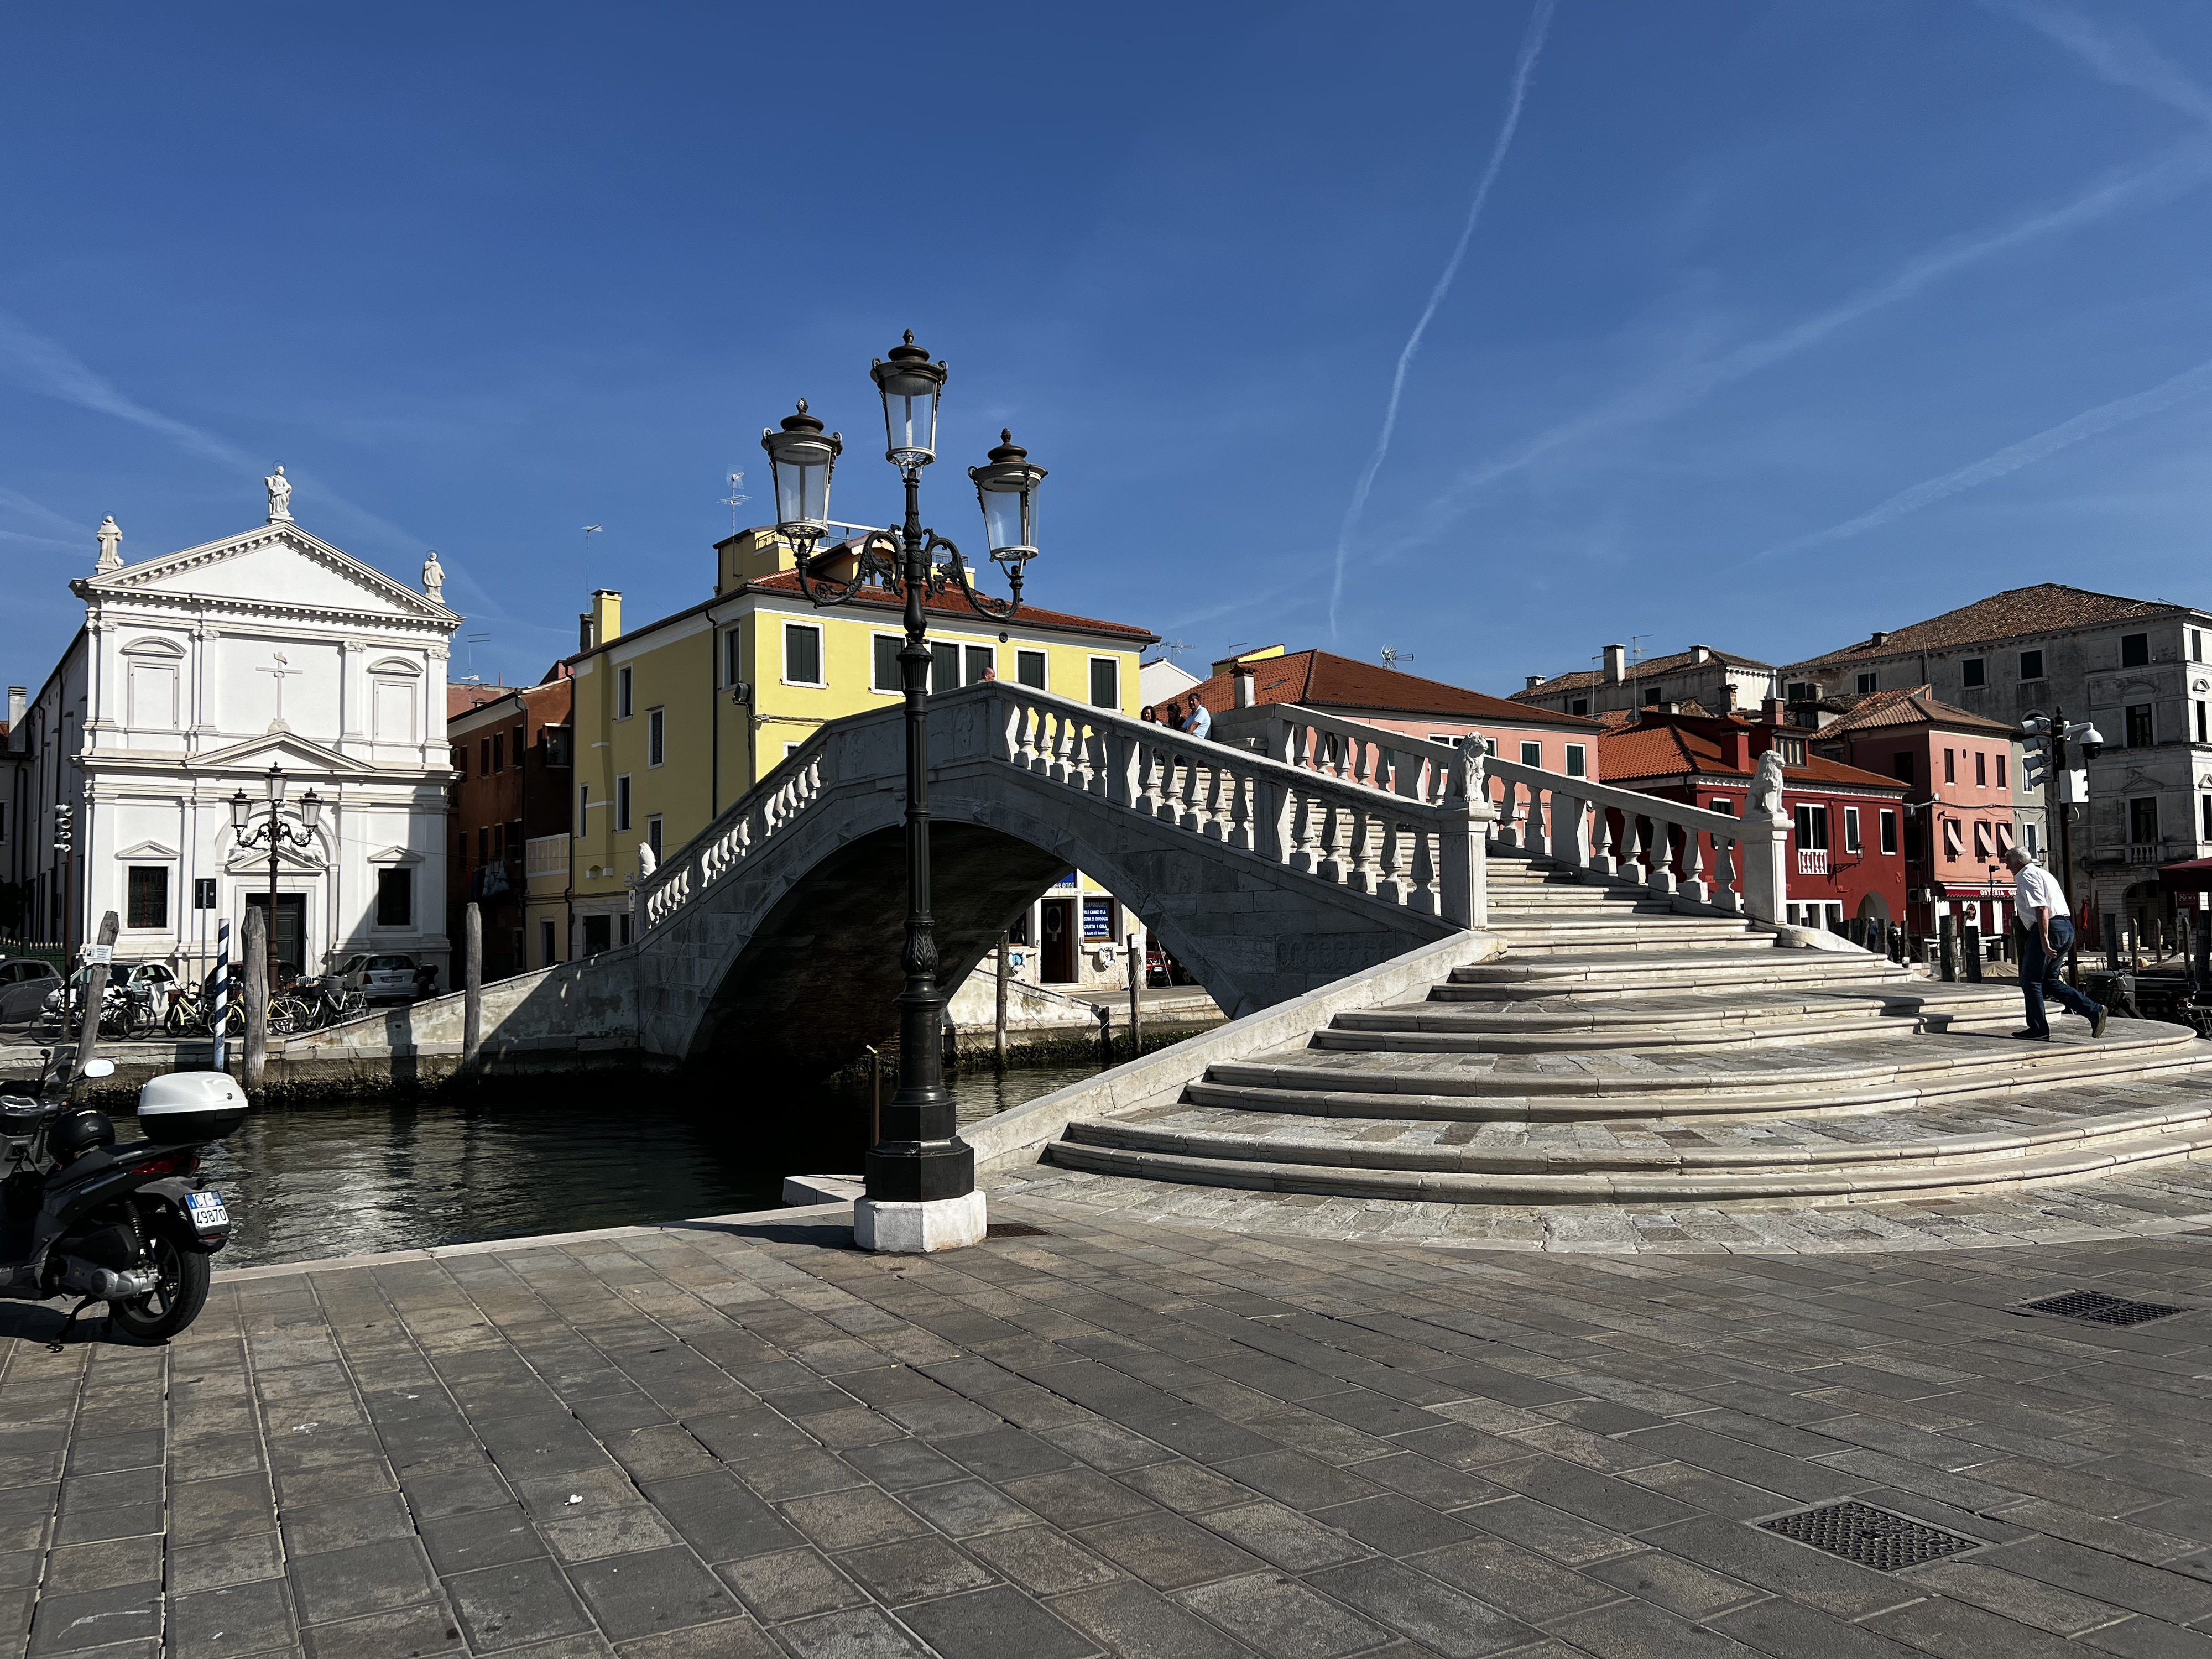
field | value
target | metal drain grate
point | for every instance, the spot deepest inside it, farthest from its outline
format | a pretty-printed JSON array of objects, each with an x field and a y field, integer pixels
[
  {"x": 1872, "y": 1537},
  {"x": 2105, "y": 1310},
  {"x": 1016, "y": 1229}
]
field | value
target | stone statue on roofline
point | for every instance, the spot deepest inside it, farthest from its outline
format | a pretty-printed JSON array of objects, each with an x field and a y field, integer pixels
[
  {"x": 1766, "y": 787},
  {"x": 434, "y": 579},
  {"x": 280, "y": 496}
]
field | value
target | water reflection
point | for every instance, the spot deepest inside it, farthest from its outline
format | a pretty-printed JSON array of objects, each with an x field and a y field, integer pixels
[{"x": 550, "y": 1155}]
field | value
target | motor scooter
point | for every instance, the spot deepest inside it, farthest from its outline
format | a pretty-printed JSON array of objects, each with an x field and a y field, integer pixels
[{"x": 132, "y": 1226}]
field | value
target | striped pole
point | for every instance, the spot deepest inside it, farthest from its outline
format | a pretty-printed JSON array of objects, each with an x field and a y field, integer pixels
[{"x": 222, "y": 990}]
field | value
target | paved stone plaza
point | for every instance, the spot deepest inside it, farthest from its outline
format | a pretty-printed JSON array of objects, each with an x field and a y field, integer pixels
[{"x": 1129, "y": 1434}]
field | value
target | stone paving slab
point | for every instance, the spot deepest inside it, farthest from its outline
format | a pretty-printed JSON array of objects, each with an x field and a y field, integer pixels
[{"x": 1118, "y": 1433}]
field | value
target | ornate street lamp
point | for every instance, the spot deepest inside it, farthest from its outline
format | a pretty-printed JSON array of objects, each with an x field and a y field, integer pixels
[
  {"x": 921, "y": 1175},
  {"x": 277, "y": 835}
]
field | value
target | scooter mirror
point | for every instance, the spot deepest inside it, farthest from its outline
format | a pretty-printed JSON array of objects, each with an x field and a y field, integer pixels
[{"x": 98, "y": 1068}]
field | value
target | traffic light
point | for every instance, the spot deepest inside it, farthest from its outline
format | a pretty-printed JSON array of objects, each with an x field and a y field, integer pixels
[
  {"x": 65, "y": 827},
  {"x": 2035, "y": 760}
]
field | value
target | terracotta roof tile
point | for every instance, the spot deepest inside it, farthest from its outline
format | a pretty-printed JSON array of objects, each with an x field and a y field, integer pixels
[
  {"x": 459, "y": 699},
  {"x": 2015, "y": 613},
  {"x": 1880, "y": 710},
  {"x": 1651, "y": 666},
  {"x": 1662, "y": 750},
  {"x": 1321, "y": 680}
]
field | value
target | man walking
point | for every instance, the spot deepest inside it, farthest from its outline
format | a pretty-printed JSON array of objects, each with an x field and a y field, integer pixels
[{"x": 2039, "y": 911}]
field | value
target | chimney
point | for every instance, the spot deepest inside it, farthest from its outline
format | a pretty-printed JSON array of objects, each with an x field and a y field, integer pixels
[
  {"x": 1774, "y": 712},
  {"x": 1700, "y": 654},
  {"x": 1736, "y": 749},
  {"x": 606, "y": 615},
  {"x": 1535, "y": 680},
  {"x": 14, "y": 709},
  {"x": 1616, "y": 664},
  {"x": 1247, "y": 684},
  {"x": 1673, "y": 707},
  {"x": 1879, "y": 636},
  {"x": 583, "y": 631}
]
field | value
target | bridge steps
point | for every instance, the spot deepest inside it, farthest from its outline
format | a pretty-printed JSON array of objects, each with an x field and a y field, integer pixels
[{"x": 1623, "y": 1053}]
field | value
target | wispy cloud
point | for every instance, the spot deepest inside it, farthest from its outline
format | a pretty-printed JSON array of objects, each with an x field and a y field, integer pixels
[
  {"x": 2117, "y": 51},
  {"x": 2173, "y": 172},
  {"x": 2189, "y": 383},
  {"x": 16, "y": 504},
  {"x": 1532, "y": 44}
]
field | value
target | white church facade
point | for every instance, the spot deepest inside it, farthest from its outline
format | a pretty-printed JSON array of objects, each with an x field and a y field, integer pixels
[{"x": 194, "y": 674}]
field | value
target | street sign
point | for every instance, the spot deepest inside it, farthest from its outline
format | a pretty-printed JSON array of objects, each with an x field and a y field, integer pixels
[
  {"x": 100, "y": 956},
  {"x": 203, "y": 892}
]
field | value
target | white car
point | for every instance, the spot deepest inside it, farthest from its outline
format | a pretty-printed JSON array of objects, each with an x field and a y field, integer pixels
[{"x": 385, "y": 977}]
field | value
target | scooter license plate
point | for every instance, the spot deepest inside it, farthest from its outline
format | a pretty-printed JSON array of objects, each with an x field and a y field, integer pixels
[{"x": 208, "y": 1210}]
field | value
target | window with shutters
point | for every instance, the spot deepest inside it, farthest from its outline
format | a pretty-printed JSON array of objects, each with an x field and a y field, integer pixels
[
  {"x": 1105, "y": 683},
  {"x": 802, "y": 654},
  {"x": 1851, "y": 828},
  {"x": 885, "y": 676},
  {"x": 1028, "y": 669},
  {"x": 1577, "y": 765},
  {"x": 656, "y": 736},
  {"x": 1866, "y": 684},
  {"x": 1532, "y": 754}
]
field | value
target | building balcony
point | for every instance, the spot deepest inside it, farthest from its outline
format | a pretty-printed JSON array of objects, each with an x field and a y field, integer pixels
[
  {"x": 1812, "y": 860},
  {"x": 2146, "y": 852},
  {"x": 545, "y": 865}
]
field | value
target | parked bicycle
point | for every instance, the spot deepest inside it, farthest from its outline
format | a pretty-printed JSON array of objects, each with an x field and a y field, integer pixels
[{"x": 330, "y": 1001}]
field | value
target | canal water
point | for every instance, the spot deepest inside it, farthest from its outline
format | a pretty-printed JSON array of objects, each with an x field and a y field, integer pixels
[{"x": 538, "y": 1155}]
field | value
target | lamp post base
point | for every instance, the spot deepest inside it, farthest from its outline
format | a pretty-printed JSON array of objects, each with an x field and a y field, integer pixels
[{"x": 912, "y": 1229}]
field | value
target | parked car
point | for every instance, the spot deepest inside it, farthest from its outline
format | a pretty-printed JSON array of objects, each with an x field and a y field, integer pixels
[
  {"x": 152, "y": 984},
  {"x": 1161, "y": 968},
  {"x": 24, "y": 983},
  {"x": 384, "y": 977}
]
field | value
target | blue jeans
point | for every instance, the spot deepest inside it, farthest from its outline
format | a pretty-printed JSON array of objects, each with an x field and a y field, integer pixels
[{"x": 2039, "y": 972}]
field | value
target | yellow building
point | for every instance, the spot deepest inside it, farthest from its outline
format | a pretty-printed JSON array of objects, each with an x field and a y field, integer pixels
[{"x": 676, "y": 720}]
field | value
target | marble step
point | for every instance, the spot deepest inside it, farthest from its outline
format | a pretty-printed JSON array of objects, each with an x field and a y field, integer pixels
[
  {"x": 1421, "y": 1030},
  {"x": 1566, "y": 1021},
  {"x": 1841, "y": 1081},
  {"x": 1659, "y": 975},
  {"x": 1638, "y": 935},
  {"x": 1917, "y": 1172}
]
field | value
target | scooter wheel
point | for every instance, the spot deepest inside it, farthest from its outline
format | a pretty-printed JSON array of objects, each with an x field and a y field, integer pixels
[{"x": 183, "y": 1291}]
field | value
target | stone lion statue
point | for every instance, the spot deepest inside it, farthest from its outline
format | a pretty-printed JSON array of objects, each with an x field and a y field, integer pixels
[{"x": 1766, "y": 787}]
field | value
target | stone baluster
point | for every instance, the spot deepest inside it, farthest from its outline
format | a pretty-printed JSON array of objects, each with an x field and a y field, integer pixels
[
  {"x": 1309, "y": 812},
  {"x": 1662, "y": 878},
  {"x": 1335, "y": 839},
  {"x": 1242, "y": 831},
  {"x": 1543, "y": 811},
  {"x": 1724, "y": 894},
  {"x": 1695, "y": 887},
  {"x": 1425, "y": 896},
  {"x": 1570, "y": 830}
]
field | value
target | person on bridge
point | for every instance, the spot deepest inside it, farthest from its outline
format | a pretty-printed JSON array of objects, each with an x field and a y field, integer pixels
[
  {"x": 1199, "y": 723},
  {"x": 2047, "y": 934}
]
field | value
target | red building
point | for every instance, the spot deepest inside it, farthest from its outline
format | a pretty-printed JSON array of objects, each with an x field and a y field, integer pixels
[
  {"x": 1398, "y": 701},
  {"x": 1846, "y": 860},
  {"x": 1957, "y": 768},
  {"x": 510, "y": 820}
]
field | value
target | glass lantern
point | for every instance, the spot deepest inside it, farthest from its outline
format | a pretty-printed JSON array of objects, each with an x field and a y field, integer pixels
[
  {"x": 1006, "y": 486},
  {"x": 276, "y": 785},
  {"x": 801, "y": 458},
  {"x": 241, "y": 811},
  {"x": 311, "y": 809},
  {"x": 910, "y": 384}
]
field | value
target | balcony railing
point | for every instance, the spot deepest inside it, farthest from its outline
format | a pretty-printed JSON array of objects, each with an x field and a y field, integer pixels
[
  {"x": 1812, "y": 860},
  {"x": 2147, "y": 852}
]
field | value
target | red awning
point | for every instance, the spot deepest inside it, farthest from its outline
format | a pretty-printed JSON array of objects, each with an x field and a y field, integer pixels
[{"x": 2189, "y": 876}]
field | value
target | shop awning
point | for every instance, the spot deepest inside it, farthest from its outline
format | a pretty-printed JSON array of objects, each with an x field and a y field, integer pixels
[{"x": 2189, "y": 876}]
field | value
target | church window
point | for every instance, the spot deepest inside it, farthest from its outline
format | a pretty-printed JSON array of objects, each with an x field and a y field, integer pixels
[
  {"x": 149, "y": 896},
  {"x": 392, "y": 700},
  {"x": 395, "y": 897},
  {"x": 150, "y": 683}
]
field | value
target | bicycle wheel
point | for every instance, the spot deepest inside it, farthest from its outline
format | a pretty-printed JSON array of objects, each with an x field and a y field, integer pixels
[{"x": 287, "y": 1015}]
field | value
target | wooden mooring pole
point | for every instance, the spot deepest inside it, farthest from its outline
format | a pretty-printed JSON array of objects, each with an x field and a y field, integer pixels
[
  {"x": 1136, "y": 988},
  {"x": 254, "y": 1069},
  {"x": 1005, "y": 952},
  {"x": 95, "y": 992},
  {"x": 472, "y": 997}
]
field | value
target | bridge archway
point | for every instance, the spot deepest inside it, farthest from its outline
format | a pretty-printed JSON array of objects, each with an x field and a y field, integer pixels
[{"x": 774, "y": 936}]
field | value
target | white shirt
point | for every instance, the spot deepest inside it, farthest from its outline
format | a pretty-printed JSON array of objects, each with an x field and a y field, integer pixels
[
  {"x": 1198, "y": 722},
  {"x": 2037, "y": 888}
]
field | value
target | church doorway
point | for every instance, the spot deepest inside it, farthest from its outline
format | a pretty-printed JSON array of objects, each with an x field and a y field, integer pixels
[{"x": 291, "y": 931}]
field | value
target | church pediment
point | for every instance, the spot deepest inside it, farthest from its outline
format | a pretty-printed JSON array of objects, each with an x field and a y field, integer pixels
[
  {"x": 147, "y": 849},
  {"x": 287, "y": 750},
  {"x": 275, "y": 568}
]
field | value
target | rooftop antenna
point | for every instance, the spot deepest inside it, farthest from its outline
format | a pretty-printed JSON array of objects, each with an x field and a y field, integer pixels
[
  {"x": 1392, "y": 656},
  {"x": 472, "y": 640},
  {"x": 1170, "y": 648},
  {"x": 736, "y": 498},
  {"x": 590, "y": 531}
]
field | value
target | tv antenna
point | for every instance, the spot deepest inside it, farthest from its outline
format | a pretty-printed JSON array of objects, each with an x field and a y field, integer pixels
[
  {"x": 590, "y": 531},
  {"x": 472, "y": 640},
  {"x": 736, "y": 498},
  {"x": 1171, "y": 647},
  {"x": 1392, "y": 656}
]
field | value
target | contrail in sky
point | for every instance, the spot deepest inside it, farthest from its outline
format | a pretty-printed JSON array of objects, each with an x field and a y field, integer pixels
[
  {"x": 1532, "y": 42},
  {"x": 2089, "y": 424},
  {"x": 2117, "y": 51}
]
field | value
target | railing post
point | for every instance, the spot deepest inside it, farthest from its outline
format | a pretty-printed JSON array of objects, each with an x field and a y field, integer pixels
[
  {"x": 1766, "y": 879},
  {"x": 1464, "y": 877}
]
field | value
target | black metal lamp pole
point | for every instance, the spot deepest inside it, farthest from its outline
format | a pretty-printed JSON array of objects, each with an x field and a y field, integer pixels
[{"x": 920, "y": 1158}]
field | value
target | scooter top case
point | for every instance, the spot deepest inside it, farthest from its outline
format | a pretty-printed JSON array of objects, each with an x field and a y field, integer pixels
[{"x": 187, "y": 1106}]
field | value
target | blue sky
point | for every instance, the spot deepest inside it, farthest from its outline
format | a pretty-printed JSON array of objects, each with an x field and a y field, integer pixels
[{"x": 1779, "y": 322}]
